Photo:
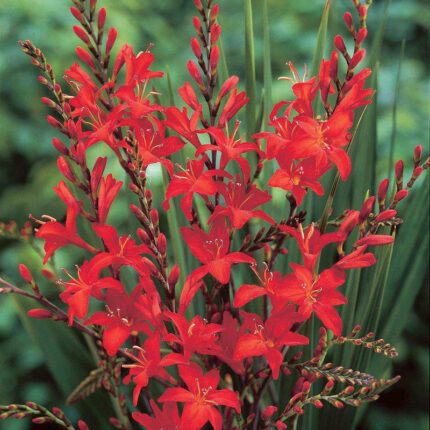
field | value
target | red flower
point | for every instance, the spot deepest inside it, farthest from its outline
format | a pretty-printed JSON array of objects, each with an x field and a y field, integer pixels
[
  {"x": 192, "y": 180},
  {"x": 318, "y": 294},
  {"x": 311, "y": 241},
  {"x": 123, "y": 250},
  {"x": 297, "y": 178},
  {"x": 272, "y": 285},
  {"x": 324, "y": 139},
  {"x": 230, "y": 148},
  {"x": 266, "y": 338},
  {"x": 137, "y": 67},
  {"x": 109, "y": 188},
  {"x": 240, "y": 200},
  {"x": 78, "y": 291},
  {"x": 213, "y": 251},
  {"x": 178, "y": 121},
  {"x": 228, "y": 341},
  {"x": 147, "y": 364},
  {"x": 200, "y": 398},
  {"x": 57, "y": 235},
  {"x": 122, "y": 319},
  {"x": 194, "y": 336},
  {"x": 153, "y": 146},
  {"x": 167, "y": 419},
  {"x": 356, "y": 259},
  {"x": 234, "y": 103}
]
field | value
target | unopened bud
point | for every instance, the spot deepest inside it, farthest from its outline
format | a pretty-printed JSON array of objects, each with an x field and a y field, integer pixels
[
  {"x": 48, "y": 102},
  {"x": 382, "y": 192},
  {"x": 25, "y": 273},
  {"x": 85, "y": 57},
  {"x": 82, "y": 425},
  {"x": 197, "y": 25},
  {"x": 80, "y": 32},
  {"x": 48, "y": 275},
  {"x": 318, "y": 403},
  {"x": 340, "y": 44},
  {"x": 195, "y": 46},
  {"x": 162, "y": 243},
  {"x": 75, "y": 12},
  {"x": 40, "y": 314},
  {"x": 65, "y": 169},
  {"x": 112, "y": 34},
  {"x": 361, "y": 35},
  {"x": 194, "y": 72},
  {"x": 280, "y": 425},
  {"x": 417, "y": 155},
  {"x": 215, "y": 33},
  {"x": 356, "y": 58},
  {"x": 399, "y": 172},
  {"x": 386, "y": 215},
  {"x": 366, "y": 209},
  {"x": 54, "y": 123},
  {"x": 400, "y": 195},
  {"x": 154, "y": 216},
  {"x": 268, "y": 412},
  {"x": 214, "y": 58},
  {"x": 101, "y": 18},
  {"x": 347, "y": 17},
  {"x": 143, "y": 236}
]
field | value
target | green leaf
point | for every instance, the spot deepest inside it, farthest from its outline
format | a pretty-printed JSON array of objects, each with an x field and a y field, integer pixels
[
  {"x": 250, "y": 80},
  {"x": 267, "y": 66}
]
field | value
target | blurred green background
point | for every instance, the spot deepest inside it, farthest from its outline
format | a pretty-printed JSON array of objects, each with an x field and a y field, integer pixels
[{"x": 27, "y": 158}]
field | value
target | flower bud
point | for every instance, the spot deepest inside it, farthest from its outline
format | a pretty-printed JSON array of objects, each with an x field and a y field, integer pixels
[
  {"x": 215, "y": 33},
  {"x": 318, "y": 404},
  {"x": 80, "y": 32},
  {"x": 348, "y": 224},
  {"x": 280, "y": 425},
  {"x": 375, "y": 240},
  {"x": 356, "y": 58},
  {"x": 85, "y": 57},
  {"x": 65, "y": 169},
  {"x": 162, "y": 243},
  {"x": 268, "y": 412},
  {"x": 417, "y": 155},
  {"x": 82, "y": 425},
  {"x": 334, "y": 60},
  {"x": 214, "y": 58},
  {"x": 382, "y": 192},
  {"x": 75, "y": 12},
  {"x": 362, "y": 11},
  {"x": 40, "y": 314},
  {"x": 101, "y": 18},
  {"x": 386, "y": 215},
  {"x": 197, "y": 25},
  {"x": 361, "y": 35},
  {"x": 195, "y": 46},
  {"x": 214, "y": 12},
  {"x": 174, "y": 275},
  {"x": 366, "y": 210},
  {"x": 400, "y": 195},
  {"x": 48, "y": 275},
  {"x": 340, "y": 44},
  {"x": 227, "y": 86},
  {"x": 111, "y": 38},
  {"x": 194, "y": 72},
  {"x": 54, "y": 123},
  {"x": 399, "y": 172},
  {"x": 25, "y": 273},
  {"x": 143, "y": 236},
  {"x": 48, "y": 102},
  {"x": 347, "y": 17},
  {"x": 198, "y": 4}
]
